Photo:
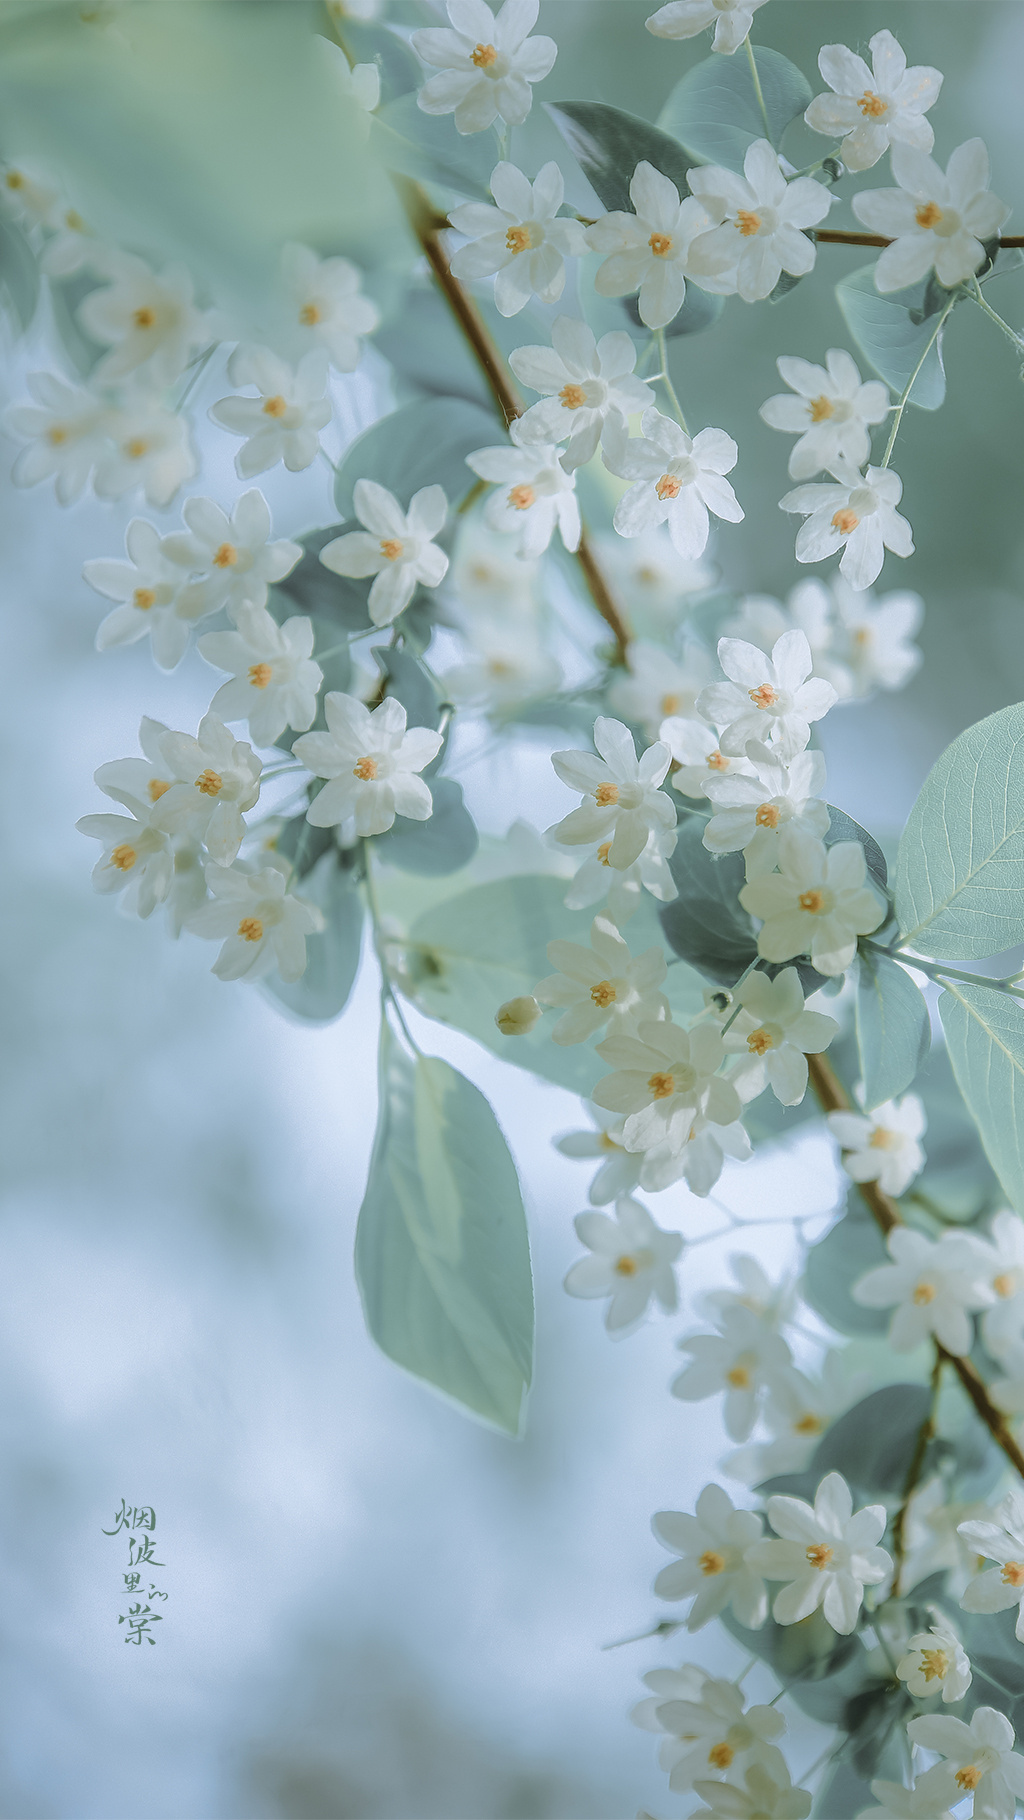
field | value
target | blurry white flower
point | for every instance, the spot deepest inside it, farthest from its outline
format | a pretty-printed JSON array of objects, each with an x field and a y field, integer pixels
[
  {"x": 231, "y": 559},
  {"x": 935, "y": 1662},
  {"x": 602, "y": 985},
  {"x": 586, "y": 384},
  {"x": 650, "y": 250},
  {"x": 694, "y": 746},
  {"x": 631, "y": 1262},
  {"x": 328, "y": 303},
  {"x": 620, "y": 1170},
  {"x": 651, "y": 578},
  {"x": 932, "y": 1286},
  {"x": 135, "y": 859},
  {"x": 145, "y": 446},
  {"x": 810, "y": 609},
  {"x": 829, "y": 408},
  {"x": 624, "y": 886},
  {"x": 212, "y": 780},
  {"x": 1004, "y": 1251},
  {"x": 764, "y": 696},
  {"x": 284, "y": 422},
  {"x": 677, "y": 480},
  {"x": 489, "y": 579},
  {"x": 987, "y": 1766},
  {"x": 700, "y": 1160},
  {"x": 731, "y": 19},
  {"x": 818, "y": 903},
  {"x": 797, "y": 1411},
  {"x": 773, "y": 1303},
  {"x": 873, "y": 637},
  {"x": 928, "y": 1799},
  {"x": 261, "y": 924},
  {"x": 274, "y": 681},
  {"x": 627, "y": 806},
  {"x": 535, "y": 492},
  {"x": 712, "y": 1546},
  {"x": 882, "y": 1146},
  {"x": 741, "y": 1360},
  {"x": 858, "y": 515},
  {"x": 933, "y": 1543},
  {"x": 934, "y": 219},
  {"x": 662, "y": 1077},
  {"x": 29, "y": 199},
  {"x": 524, "y": 241},
  {"x": 148, "y": 589},
  {"x": 750, "y": 812},
  {"x": 776, "y": 1032},
  {"x": 371, "y": 763},
  {"x": 764, "y": 1797},
  {"x": 487, "y": 63},
  {"x": 762, "y": 217},
  {"x": 509, "y": 666},
  {"x": 359, "y": 83},
  {"x": 716, "y": 1737},
  {"x": 396, "y": 547},
  {"x": 999, "y": 1537},
  {"x": 827, "y": 1554},
  {"x": 149, "y": 323},
  {"x": 871, "y": 109},
  {"x": 653, "y": 685},
  {"x": 64, "y": 430}
]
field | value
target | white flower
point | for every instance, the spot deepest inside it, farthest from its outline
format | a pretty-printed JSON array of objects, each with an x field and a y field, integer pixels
[
  {"x": 933, "y": 219},
  {"x": 777, "y": 1033},
  {"x": 523, "y": 242},
  {"x": 650, "y": 250},
  {"x": 371, "y": 762},
  {"x": 144, "y": 446},
  {"x": 211, "y": 781},
  {"x": 741, "y": 1359},
  {"x": 327, "y": 303},
  {"x": 857, "y": 514},
  {"x": 536, "y": 492},
  {"x": 762, "y": 217},
  {"x": 1000, "y": 1540},
  {"x": 731, "y": 19},
  {"x": 694, "y": 746},
  {"x": 882, "y": 1146},
  {"x": 827, "y": 1554},
  {"x": 677, "y": 480},
  {"x": 701, "y": 1159},
  {"x": 148, "y": 589},
  {"x": 508, "y": 666},
  {"x": 602, "y": 985},
  {"x": 1001, "y": 1324},
  {"x": 487, "y": 63},
  {"x": 712, "y": 1546},
  {"x": 765, "y": 1797},
  {"x": 773, "y": 1303},
  {"x": 797, "y": 1412},
  {"x": 486, "y": 582},
  {"x": 274, "y": 679},
  {"x": 929, "y": 1799},
  {"x": 651, "y": 579},
  {"x": 262, "y": 925},
  {"x": 830, "y": 409},
  {"x": 150, "y": 324},
  {"x": 931, "y": 1286},
  {"x": 653, "y": 685},
  {"x": 64, "y": 430},
  {"x": 284, "y": 422},
  {"x": 627, "y": 806},
  {"x": 586, "y": 383},
  {"x": 873, "y": 637},
  {"x": 517, "y": 1016},
  {"x": 230, "y": 559},
  {"x": 810, "y": 608},
  {"x": 750, "y": 812},
  {"x": 136, "y": 859},
  {"x": 631, "y": 1262},
  {"x": 935, "y": 1661},
  {"x": 818, "y": 903},
  {"x": 988, "y": 1767},
  {"x": 623, "y": 887},
  {"x": 358, "y": 83},
  {"x": 30, "y": 200},
  {"x": 871, "y": 109},
  {"x": 712, "y": 1735},
  {"x": 663, "y": 1077},
  {"x": 396, "y": 547},
  {"x": 774, "y": 695},
  {"x": 619, "y": 1173}
]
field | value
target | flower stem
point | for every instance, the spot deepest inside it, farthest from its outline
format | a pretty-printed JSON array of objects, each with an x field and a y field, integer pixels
[
  {"x": 667, "y": 383},
  {"x": 387, "y": 991},
  {"x": 924, "y": 1435},
  {"x": 199, "y": 367},
  {"x": 937, "y": 970},
  {"x": 908, "y": 388},
  {"x": 1011, "y": 334},
  {"x": 747, "y": 971},
  {"x": 759, "y": 92}
]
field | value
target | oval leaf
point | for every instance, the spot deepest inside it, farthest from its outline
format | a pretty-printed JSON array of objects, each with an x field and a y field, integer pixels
[
  {"x": 423, "y": 445},
  {"x": 442, "y": 1254},
  {"x": 892, "y": 337},
  {"x": 705, "y": 923},
  {"x": 715, "y": 113},
  {"x": 442, "y": 844},
  {"x": 851, "y": 1247},
  {"x": 985, "y": 1039},
  {"x": 873, "y": 1442},
  {"x": 608, "y": 144},
  {"x": 893, "y": 1029}
]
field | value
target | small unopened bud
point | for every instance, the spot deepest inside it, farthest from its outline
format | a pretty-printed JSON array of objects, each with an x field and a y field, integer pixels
[{"x": 518, "y": 1016}]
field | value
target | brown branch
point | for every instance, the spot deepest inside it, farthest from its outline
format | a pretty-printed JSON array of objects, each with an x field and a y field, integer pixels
[
  {"x": 839, "y": 237},
  {"x": 833, "y": 1097},
  {"x": 428, "y": 226},
  {"x": 924, "y": 1435}
]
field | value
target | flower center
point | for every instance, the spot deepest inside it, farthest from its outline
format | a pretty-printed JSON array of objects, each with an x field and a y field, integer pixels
[
  {"x": 226, "y": 557},
  {"x": 309, "y": 315},
  {"x": 519, "y": 239},
  {"x": 123, "y": 858},
  {"x": 721, "y": 1755},
  {"x": 748, "y": 223},
  {"x": 924, "y": 1293},
  {"x": 276, "y": 406},
  {"x": 14, "y": 180},
  {"x": 156, "y": 788},
  {"x": 144, "y": 598},
  {"x": 625, "y": 1266},
  {"x": 605, "y": 795},
  {"x": 136, "y": 447},
  {"x": 808, "y": 1425},
  {"x": 73, "y": 220},
  {"x": 968, "y": 1777},
  {"x": 812, "y": 901},
  {"x": 572, "y": 396},
  {"x": 883, "y": 1139},
  {"x": 716, "y": 762},
  {"x": 760, "y": 1040},
  {"x": 934, "y": 1664},
  {"x": 660, "y": 245},
  {"x": 738, "y": 1377},
  {"x": 391, "y": 548},
  {"x": 483, "y": 56},
  {"x": 144, "y": 318},
  {"x": 764, "y": 697},
  {"x": 819, "y": 1555},
  {"x": 251, "y": 929},
  {"x": 603, "y": 851},
  {"x": 522, "y": 497},
  {"x": 928, "y": 215},
  {"x": 821, "y": 408},
  {"x": 845, "y": 521},
  {"x": 209, "y": 783},
  {"x": 1012, "y": 1574},
  {"x": 872, "y": 106},
  {"x": 767, "y": 816},
  {"x": 365, "y": 769},
  {"x": 669, "y": 486},
  {"x": 662, "y": 1086},
  {"x": 603, "y": 993},
  {"x": 259, "y": 675},
  {"x": 1005, "y": 1284},
  {"x": 711, "y": 1562},
  {"x": 56, "y": 434}
]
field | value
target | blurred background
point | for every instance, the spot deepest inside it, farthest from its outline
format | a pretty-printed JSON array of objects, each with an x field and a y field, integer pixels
[{"x": 375, "y": 1607}]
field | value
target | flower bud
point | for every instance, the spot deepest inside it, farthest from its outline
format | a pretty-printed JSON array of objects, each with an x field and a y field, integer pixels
[{"x": 517, "y": 1017}]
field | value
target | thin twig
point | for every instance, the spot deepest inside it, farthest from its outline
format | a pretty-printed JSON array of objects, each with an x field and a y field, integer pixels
[
  {"x": 912, "y": 381},
  {"x": 759, "y": 92},
  {"x": 840, "y": 237},
  {"x": 924, "y": 1435}
]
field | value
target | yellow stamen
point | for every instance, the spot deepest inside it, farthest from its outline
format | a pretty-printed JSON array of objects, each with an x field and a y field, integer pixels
[
  {"x": 608, "y": 1143},
  {"x": 391, "y": 547},
  {"x": 968, "y": 1777},
  {"x": 522, "y": 497},
  {"x": 14, "y": 180},
  {"x": 259, "y": 675},
  {"x": 669, "y": 487},
  {"x": 483, "y": 56},
  {"x": 366, "y": 769},
  {"x": 748, "y": 223},
  {"x": 662, "y": 1086},
  {"x": 819, "y": 1555},
  {"x": 760, "y": 1040},
  {"x": 156, "y": 788},
  {"x": 605, "y": 795},
  {"x": 309, "y": 315},
  {"x": 738, "y": 1377},
  {"x": 767, "y": 816},
  {"x": 811, "y": 901},
  {"x": 934, "y": 1664},
  {"x": 821, "y": 408},
  {"x": 871, "y": 105},
  {"x": 276, "y": 406},
  {"x": 210, "y": 783},
  {"x": 136, "y": 447},
  {"x": 123, "y": 857},
  {"x": 721, "y": 1755},
  {"x": 882, "y": 1139},
  {"x": 845, "y": 521},
  {"x": 1005, "y": 1284},
  {"x": 671, "y": 704},
  {"x": 144, "y": 318},
  {"x": 518, "y": 239},
  {"x": 73, "y": 220},
  {"x": 660, "y": 245},
  {"x": 764, "y": 697},
  {"x": 716, "y": 761},
  {"x": 226, "y": 557},
  {"x": 711, "y": 1562},
  {"x": 56, "y": 434},
  {"x": 251, "y": 929},
  {"x": 144, "y": 598},
  {"x": 1012, "y": 1573},
  {"x": 808, "y": 1425},
  {"x": 625, "y": 1266},
  {"x": 603, "y": 851},
  {"x": 923, "y": 1294},
  {"x": 928, "y": 215},
  {"x": 603, "y": 994}
]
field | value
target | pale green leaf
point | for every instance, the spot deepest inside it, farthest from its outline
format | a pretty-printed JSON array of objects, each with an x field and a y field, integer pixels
[
  {"x": 332, "y": 957},
  {"x": 893, "y": 1030},
  {"x": 891, "y": 335},
  {"x": 871, "y": 1444},
  {"x": 960, "y": 867},
  {"x": 851, "y": 1247},
  {"x": 422, "y": 445},
  {"x": 715, "y": 113},
  {"x": 19, "y": 272},
  {"x": 442, "y": 844},
  {"x": 442, "y": 1254},
  {"x": 609, "y": 144},
  {"x": 429, "y": 148},
  {"x": 985, "y": 1039}
]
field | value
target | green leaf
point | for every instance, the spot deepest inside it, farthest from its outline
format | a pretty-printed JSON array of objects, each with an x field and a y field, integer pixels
[
  {"x": 843, "y": 827},
  {"x": 893, "y": 1029},
  {"x": 310, "y": 588},
  {"x": 444, "y": 843},
  {"x": 892, "y": 337},
  {"x": 960, "y": 865},
  {"x": 608, "y": 144},
  {"x": 332, "y": 958},
  {"x": 873, "y": 1443},
  {"x": 422, "y": 445},
  {"x": 700, "y": 311},
  {"x": 428, "y": 147},
  {"x": 797, "y": 1653},
  {"x": 442, "y": 1254},
  {"x": 397, "y": 64},
  {"x": 957, "y": 1174},
  {"x": 850, "y": 1247},
  {"x": 705, "y": 923},
  {"x": 425, "y": 345},
  {"x": 409, "y": 683},
  {"x": 715, "y": 113},
  {"x": 985, "y": 1039},
  {"x": 19, "y": 272}
]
